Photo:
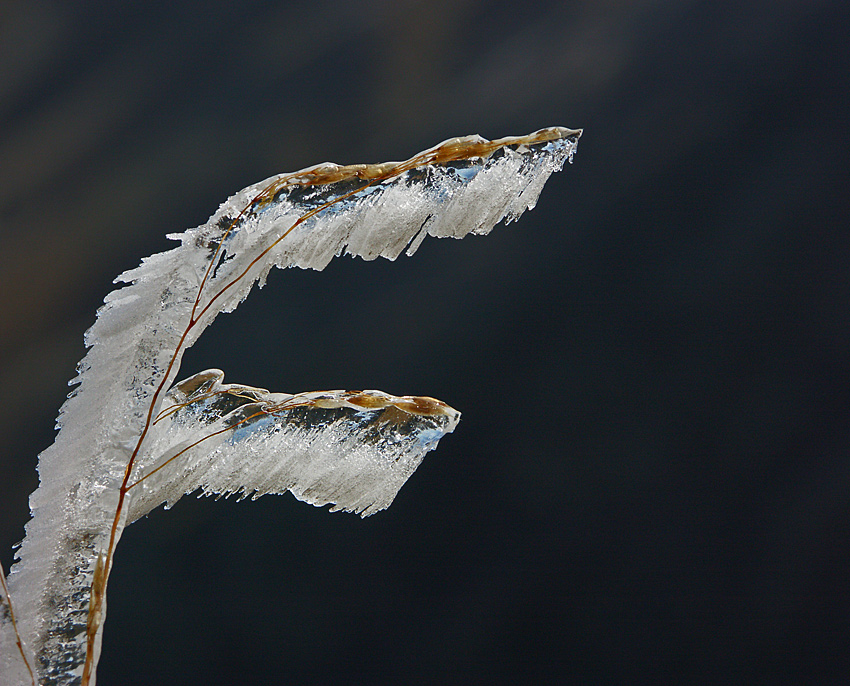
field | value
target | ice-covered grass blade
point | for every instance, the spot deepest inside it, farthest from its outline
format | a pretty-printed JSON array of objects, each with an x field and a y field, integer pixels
[
  {"x": 125, "y": 445},
  {"x": 350, "y": 449}
]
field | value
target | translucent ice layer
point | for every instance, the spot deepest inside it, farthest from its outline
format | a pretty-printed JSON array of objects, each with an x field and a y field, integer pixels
[
  {"x": 352, "y": 449},
  {"x": 125, "y": 444}
]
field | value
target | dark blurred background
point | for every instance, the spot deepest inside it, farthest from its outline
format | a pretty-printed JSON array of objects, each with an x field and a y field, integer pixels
[{"x": 651, "y": 481}]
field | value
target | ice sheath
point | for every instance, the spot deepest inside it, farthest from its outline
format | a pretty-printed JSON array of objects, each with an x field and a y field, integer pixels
[{"x": 351, "y": 449}]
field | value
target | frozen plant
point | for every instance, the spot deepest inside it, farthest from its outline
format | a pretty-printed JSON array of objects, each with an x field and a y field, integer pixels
[{"x": 131, "y": 439}]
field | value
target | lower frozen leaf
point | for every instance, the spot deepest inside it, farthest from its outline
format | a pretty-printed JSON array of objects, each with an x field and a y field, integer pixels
[{"x": 351, "y": 449}]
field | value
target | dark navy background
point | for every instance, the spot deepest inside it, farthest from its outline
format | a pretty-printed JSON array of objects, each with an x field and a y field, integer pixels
[{"x": 651, "y": 480}]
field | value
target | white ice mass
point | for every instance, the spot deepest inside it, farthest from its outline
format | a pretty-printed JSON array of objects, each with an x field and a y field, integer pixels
[{"x": 127, "y": 444}]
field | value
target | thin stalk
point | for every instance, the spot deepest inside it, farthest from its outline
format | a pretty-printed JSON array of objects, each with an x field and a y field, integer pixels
[{"x": 18, "y": 640}]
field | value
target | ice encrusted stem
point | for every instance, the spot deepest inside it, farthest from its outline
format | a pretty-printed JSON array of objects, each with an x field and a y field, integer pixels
[
  {"x": 94, "y": 625},
  {"x": 126, "y": 445}
]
